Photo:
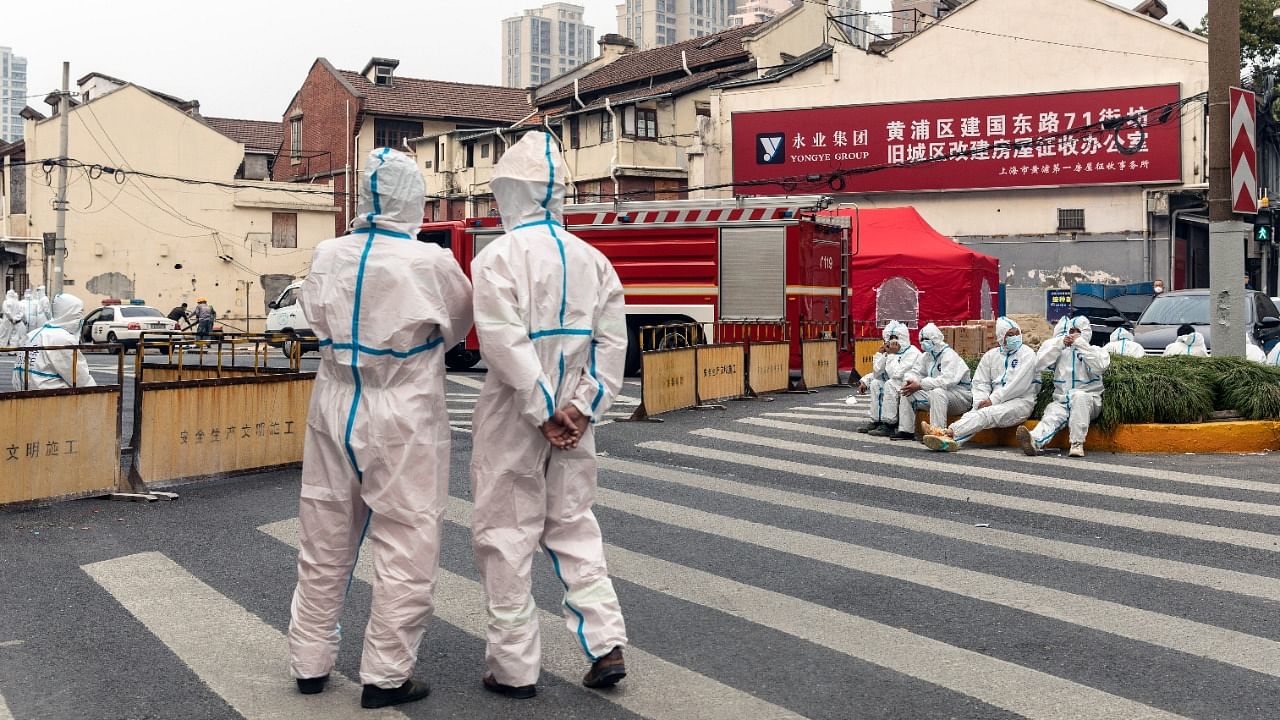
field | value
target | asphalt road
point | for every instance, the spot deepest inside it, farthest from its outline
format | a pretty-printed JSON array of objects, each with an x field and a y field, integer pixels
[{"x": 770, "y": 562}]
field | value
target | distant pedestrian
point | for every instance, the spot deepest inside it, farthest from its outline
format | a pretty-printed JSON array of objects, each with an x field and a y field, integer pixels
[{"x": 205, "y": 315}]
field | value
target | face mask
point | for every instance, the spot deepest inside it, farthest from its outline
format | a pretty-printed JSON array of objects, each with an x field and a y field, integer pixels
[{"x": 1013, "y": 344}]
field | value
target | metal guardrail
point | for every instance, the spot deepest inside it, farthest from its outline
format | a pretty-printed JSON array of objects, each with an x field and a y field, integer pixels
[{"x": 224, "y": 349}]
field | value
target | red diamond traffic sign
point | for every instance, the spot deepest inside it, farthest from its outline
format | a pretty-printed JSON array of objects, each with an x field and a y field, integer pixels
[{"x": 1244, "y": 154}]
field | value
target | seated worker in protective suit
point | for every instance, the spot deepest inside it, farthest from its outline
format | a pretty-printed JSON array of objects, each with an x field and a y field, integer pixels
[
  {"x": 45, "y": 369},
  {"x": 375, "y": 462},
  {"x": 1253, "y": 352},
  {"x": 938, "y": 382},
  {"x": 1122, "y": 343},
  {"x": 1077, "y": 388},
  {"x": 1273, "y": 357},
  {"x": 888, "y": 370},
  {"x": 1004, "y": 391},
  {"x": 551, "y": 319},
  {"x": 1188, "y": 342}
]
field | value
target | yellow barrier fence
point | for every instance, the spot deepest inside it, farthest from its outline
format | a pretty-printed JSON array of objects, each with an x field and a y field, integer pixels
[
  {"x": 59, "y": 444},
  {"x": 721, "y": 372},
  {"x": 767, "y": 367},
  {"x": 668, "y": 382},
  {"x": 818, "y": 364}
]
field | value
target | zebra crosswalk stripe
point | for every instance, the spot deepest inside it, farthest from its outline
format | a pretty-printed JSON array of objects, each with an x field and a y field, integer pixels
[
  {"x": 861, "y": 417},
  {"x": 465, "y": 381},
  {"x": 1188, "y": 636},
  {"x": 1010, "y": 476},
  {"x": 1133, "y": 521},
  {"x": 4, "y": 710},
  {"x": 648, "y": 690},
  {"x": 1258, "y": 586},
  {"x": 204, "y": 629},
  {"x": 1029, "y": 693}
]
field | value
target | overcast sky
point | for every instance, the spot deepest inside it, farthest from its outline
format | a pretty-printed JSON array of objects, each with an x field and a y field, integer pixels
[{"x": 246, "y": 59}]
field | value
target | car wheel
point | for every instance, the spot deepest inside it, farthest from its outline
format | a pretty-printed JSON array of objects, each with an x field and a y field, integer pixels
[
  {"x": 112, "y": 339},
  {"x": 460, "y": 358}
]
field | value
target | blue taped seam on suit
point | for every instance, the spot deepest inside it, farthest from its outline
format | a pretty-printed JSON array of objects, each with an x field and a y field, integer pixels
[
  {"x": 537, "y": 223},
  {"x": 595, "y": 402},
  {"x": 582, "y": 620},
  {"x": 38, "y": 373},
  {"x": 559, "y": 331},
  {"x": 551, "y": 404},
  {"x": 430, "y": 344},
  {"x": 365, "y": 531}
]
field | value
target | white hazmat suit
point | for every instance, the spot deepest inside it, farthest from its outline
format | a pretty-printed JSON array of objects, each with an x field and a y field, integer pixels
[
  {"x": 376, "y": 457},
  {"x": 1122, "y": 343},
  {"x": 1254, "y": 353},
  {"x": 1007, "y": 376},
  {"x": 1077, "y": 386},
  {"x": 945, "y": 387},
  {"x": 1188, "y": 344},
  {"x": 47, "y": 369},
  {"x": 41, "y": 307},
  {"x": 888, "y": 371},
  {"x": 1273, "y": 358},
  {"x": 10, "y": 318},
  {"x": 551, "y": 319}
]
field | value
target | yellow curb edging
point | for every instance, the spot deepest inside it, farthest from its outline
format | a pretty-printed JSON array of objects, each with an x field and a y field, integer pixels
[{"x": 1237, "y": 436}]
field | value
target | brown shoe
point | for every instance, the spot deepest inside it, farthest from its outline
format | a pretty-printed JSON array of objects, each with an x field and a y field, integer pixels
[{"x": 607, "y": 671}]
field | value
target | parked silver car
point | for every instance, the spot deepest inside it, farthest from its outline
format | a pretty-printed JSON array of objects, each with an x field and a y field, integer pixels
[{"x": 1158, "y": 325}]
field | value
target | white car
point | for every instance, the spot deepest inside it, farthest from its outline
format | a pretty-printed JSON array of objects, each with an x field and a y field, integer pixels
[
  {"x": 286, "y": 317},
  {"x": 123, "y": 324}
]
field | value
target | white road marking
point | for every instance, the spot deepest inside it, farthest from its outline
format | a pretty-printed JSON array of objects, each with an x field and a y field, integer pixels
[
  {"x": 240, "y": 657},
  {"x": 1258, "y": 586},
  {"x": 649, "y": 687},
  {"x": 1177, "y": 528},
  {"x": 465, "y": 381},
  {"x": 1010, "y": 476},
  {"x": 861, "y": 417},
  {"x": 1028, "y": 693},
  {"x": 1188, "y": 636}
]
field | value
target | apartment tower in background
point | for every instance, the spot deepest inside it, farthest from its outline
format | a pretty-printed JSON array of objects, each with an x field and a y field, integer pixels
[
  {"x": 13, "y": 94},
  {"x": 654, "y": 23},
  {"x": 543, "y": 43}
]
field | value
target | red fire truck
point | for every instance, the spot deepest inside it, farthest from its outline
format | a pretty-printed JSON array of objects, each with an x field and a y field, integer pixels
[{"x": 716, "y": 263}]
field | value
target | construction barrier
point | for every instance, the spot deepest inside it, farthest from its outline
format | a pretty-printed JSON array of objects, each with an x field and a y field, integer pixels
[
  {"x": 768, "y": 367},
  {"x": 818, "y": 364},
  {"x": 721, "y": 372},
  {"x": 668, "y": 382},
  {"x": 60, "y": 443},
  {"x": 864, "y": 354}
]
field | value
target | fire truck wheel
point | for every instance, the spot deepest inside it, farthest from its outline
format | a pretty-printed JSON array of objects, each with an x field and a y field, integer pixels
[{"x": 633, "y": 363}]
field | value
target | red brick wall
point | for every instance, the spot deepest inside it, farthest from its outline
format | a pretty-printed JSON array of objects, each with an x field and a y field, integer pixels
[{"x": 322, "y": 102}]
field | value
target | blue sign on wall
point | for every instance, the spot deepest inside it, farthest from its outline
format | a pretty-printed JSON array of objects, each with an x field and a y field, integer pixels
[{"x": 1057, "y": 304}]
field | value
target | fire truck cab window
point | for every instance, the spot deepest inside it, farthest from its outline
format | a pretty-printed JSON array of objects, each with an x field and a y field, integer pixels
[
  {"x": 897, "y": 299},
  {"x": 439, "y": 237}
]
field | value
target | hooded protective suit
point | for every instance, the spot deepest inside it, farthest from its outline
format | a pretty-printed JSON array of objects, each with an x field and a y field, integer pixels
[
  {"x": 52, "y": 369},
  {"x": 1273, "y": 358},
  {"x": 1122, "y": 343},
  {"x": 1189, "y": 344},
  {"x": 1254, "y": 353},
  {"x": 376, "y": 457},
  {"x": 944, "y": 383},
  {"x": 1006, "y": 376},
  {"x": 551, "y": 318},
  {"x": 888, "y": 370},
  {"x": 1077, "y": 384},
  {"x": 10, "y": 317},
  {"x": 30, "y": 311},
  {"x": 41, "y": 307}
]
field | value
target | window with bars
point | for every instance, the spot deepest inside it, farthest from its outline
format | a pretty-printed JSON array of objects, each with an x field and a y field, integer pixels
[
  {"x": 284, "y": 230},
  {"x": 1071, "y": 219},
  {"x": 393, "y": 133}
]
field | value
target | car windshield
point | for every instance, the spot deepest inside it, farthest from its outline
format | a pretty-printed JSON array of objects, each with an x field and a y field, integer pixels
[
  {"x": 1177, "y": 310},
  {"x": 135, "y": 312}
]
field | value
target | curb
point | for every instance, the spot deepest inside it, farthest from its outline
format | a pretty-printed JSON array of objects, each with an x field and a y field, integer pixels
[{"x": 1237, "y": 436}]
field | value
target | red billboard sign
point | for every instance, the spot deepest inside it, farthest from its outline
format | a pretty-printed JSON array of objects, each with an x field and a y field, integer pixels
[{"x": 1016, "y": 141}]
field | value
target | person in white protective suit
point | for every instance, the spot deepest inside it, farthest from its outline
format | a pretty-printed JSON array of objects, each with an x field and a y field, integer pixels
[
  {"x": 48, "y": 369},
  {"x": 1005, "y": 387},
  {"x": 1189, "y": 342},
  {"x": 551, "y": 320},
  {"x": 1253, "y": 352},
  {"x": 376, "y": 458},
  {"x": 42, "y": 307},
  {"x": 1077, "y": 388},
  {"x": 1122, "y": 343},
  {"x": 30, "y": 311},
  {"x": 889, "y": 368},
  {"x": 1273, "y": 357},
  {"x": 938, "y": 382},
  {"x": 10, "y": 317}
]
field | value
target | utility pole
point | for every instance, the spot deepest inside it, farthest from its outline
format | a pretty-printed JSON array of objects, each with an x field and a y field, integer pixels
[
  {"x": 60, "y": 205},
  {"x": 1227, "y": 234}
]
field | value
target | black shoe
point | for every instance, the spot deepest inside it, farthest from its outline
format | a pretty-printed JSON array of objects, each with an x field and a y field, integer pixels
[
  {"x": 376, "y": 697},
  {"x": 902, "y": 436},
  {"x": 607, "y": 671},
  {"x": 868, "y": 427},
  {"x": 311, "y": 686},
  {"x": 516, "y": 692}
]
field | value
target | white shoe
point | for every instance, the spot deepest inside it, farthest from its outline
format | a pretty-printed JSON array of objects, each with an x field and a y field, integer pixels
[{"x": 1077, "y": 450}]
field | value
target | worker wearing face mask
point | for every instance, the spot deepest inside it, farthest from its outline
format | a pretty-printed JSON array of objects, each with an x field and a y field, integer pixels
[
  {"x": 1189, "y": 343},
  {"x": 1077, "y": 388},
  {"x": 1004, "y": 391},
  {"x": 1122, "y": 343},
  {"x": 889, "y": 368},
  {"x": 938, "y": 382}
]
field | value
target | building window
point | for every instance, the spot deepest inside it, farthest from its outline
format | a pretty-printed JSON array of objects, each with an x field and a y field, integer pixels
[
  {"x": 284, "y": 230},
  {"x": 484, "y": 151},
  {"x": 382, "y": 75},
  {"x": 647, "y": 124},
  {"x": 471, "y": 155},
  {"x": 573, "y": 132},
  {"x": 1071, "y": 219},
  {"x": 295, "y": 139},
  {"x": 393, "y": 133},
  {"x": 606, "y": 127}
]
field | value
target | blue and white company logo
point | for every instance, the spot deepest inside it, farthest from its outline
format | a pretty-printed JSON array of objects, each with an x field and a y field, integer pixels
[{"x": 771, "y": 149}]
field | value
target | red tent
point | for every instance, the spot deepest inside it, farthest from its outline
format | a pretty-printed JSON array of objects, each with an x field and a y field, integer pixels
[{"x": 900, "y": 260}]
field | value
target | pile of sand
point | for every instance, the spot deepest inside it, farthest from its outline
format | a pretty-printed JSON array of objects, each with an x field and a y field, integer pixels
[{"x": 1035, "y": 329}]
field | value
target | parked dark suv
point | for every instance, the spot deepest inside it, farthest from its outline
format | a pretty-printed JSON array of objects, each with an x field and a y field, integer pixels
[{"x": 1158, "y": 325}]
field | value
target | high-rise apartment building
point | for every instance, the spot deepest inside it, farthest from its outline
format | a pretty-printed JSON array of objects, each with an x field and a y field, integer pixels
[
  {"x": 750, "y": 12},
  {"x": 654, "y": 23},
  {"x": 907, "y": 14},
  {"x": 543, "y": 43},
  {"x": 13, "y": 94}
]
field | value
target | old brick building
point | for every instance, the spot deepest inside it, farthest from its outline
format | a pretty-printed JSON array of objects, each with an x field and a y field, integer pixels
[{"x": 337, "y": 116}]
